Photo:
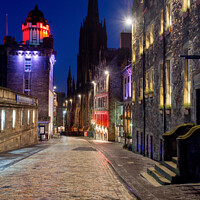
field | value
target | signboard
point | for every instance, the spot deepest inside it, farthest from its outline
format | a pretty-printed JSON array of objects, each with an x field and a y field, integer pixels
[
  {"x": 23, "y": 99},
  {"x": 42, "y": 130}
]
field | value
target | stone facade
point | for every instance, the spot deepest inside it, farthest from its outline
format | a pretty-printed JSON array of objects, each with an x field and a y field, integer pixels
[
  {"x": 164, "y": 30},
  {"x": 29, "y": 70},
  {"x": 19, "y": 120}
]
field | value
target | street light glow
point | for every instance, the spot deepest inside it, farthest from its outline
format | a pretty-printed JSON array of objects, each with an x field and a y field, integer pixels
[
  {"x": 54, "y": 87},
  {"x": 79, "y": 96},
  {"x": 106, "y": 72},
  {"x": 129, "y": 21},
  {"x": 93, "y": 82}
]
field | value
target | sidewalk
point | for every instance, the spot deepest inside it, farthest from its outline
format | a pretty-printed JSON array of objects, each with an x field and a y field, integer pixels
[{"x": 128, "y": 167}]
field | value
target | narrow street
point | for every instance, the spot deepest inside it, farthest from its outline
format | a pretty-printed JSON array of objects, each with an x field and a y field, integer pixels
[{"x": 66, "y": 168}]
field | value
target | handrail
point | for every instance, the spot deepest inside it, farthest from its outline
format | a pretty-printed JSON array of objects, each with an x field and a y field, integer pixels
[
  {"x": 189, "y": 133},
  {"x": 175, "y": 129}
]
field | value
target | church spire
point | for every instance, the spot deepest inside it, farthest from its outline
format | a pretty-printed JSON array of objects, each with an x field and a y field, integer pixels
[
  {"x": 93, "y": 13},
  {"x": 69, "y": 74}
]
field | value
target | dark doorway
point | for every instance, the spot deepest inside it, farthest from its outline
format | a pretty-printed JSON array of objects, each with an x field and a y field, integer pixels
[
  {"x": 151, "y": 146},
  {"x": 198, "y": 106},
  {"x": 161, "y": 149},
  {"x": 141, "y": 143}
]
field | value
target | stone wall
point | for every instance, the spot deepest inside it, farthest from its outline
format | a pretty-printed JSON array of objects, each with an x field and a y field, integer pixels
[
  {"x": 24, "y": 133},
  {"x": 184, "y": 32}
]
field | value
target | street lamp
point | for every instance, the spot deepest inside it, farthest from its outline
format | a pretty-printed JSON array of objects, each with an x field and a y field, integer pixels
[
  {"x": 106, "y": 72},
  {"x": 128, "y": 21}
]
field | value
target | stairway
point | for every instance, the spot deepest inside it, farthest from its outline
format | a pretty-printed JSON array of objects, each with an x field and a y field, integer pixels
[{"x": 163, "y": 174}]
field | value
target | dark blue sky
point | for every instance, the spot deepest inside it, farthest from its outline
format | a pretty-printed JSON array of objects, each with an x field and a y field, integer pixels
[{"x": 65, "y": 17}]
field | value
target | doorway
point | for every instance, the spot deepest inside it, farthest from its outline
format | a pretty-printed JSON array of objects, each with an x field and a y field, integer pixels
[{"x": 198, "y": 106}]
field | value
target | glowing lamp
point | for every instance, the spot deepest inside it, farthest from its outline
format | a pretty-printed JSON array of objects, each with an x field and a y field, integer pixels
[
  {"x": 106, "y": 72},
  {"x": 129, "y": 21}
]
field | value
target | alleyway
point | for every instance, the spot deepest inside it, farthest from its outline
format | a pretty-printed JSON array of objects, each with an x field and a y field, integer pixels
[{"x": 67, "y": 168}]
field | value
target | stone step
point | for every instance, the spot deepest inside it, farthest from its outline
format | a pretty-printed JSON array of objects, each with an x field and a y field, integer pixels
[
  {"x": 172, "y": 166},
  {"x": 175, "y": 160},
  {"x": 158, "y": 177},
  {"x": 165, "y": 172},
  {"x": 150, "y": 179}
]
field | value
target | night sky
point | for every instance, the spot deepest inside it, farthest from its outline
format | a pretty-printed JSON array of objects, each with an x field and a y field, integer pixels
[{"x": 64, "y": 18}]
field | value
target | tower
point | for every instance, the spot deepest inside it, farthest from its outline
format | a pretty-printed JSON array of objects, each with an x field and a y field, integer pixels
[
  {"x": 69, "y": 84},
  {"x": 35, "y": 28},
  {"x": 93, "y": 37}
]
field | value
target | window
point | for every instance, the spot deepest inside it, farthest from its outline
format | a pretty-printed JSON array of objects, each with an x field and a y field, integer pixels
[
  {"x": 147, "y": 39},
  {"x": 187, "y": 80},
  {"x": 28, "y": 117},
  {"x": 125, "y": 88},
  {"x": 27, "y": 84},
  {"x": 161, "y": 86},
  {"x": 27, "y": 64},
  {"x": 151, "y": 34},
  {"x": 151, "y": 81},
  {"x": 133, "y": 91},
  {"x": 14, "y": 119},
  {"x": 133, "y": 54},
  {"x": 22, "y": 116},
  {"x": 147, "y": 81},
  {"x": 161, "y": 23},
  {"x": 186, "y": 5},
  {"x": 168, "y": 83},
  {"x": 141, "y": 88},
  {"x": 141, "y": 45},
  {"x": 33, "y": 116},
  {"x": 169, "y": 14},
  {"x": 3, "y": 119}
]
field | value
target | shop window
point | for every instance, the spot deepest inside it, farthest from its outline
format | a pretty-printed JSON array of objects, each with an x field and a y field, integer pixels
[
  {"x": 147, "y": 82},
  {"x": 151, "y": 80},
  {"x": 187, "y": 80},
  {"x": 3, "y": 119}
]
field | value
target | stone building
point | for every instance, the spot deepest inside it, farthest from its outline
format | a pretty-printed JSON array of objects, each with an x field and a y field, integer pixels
[
  {"x": 166, "y": 86},
  {"x": 19, "y": 120},
  {"x": 93, "y": 38},
  {"x": 29, "y": 66},
  {"x": 108, "y": 93}
]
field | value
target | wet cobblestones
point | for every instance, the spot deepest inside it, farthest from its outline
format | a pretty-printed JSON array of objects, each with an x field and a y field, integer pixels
[{"x": 68, "y": 169}]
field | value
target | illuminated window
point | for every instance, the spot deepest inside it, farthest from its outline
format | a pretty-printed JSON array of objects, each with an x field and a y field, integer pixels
[
  {"x": 161, "y": 86},
  {"x": 147, "y": 81},
  {"x": 141, "y": 88},
  {"x": 141, "y": 45},
  {"x": 187, "y": 79},
  {"x": 151, "y": 81},
  {"x": 33, "y": 116},
  {"x": 28, "y": 117},
  {"x": 161, "y": 23},
  {"x": 151, "y": 34},
  {"x": 22, "y": 117},
  {"x": 133, "y": 91},
  {"x": 14, "y": 119},
  {"x": 147, "y": 39},
  {"x": 169, "y": 14},
  {"x": 27, "y": 64},
  {"x": 168, "y": 83},
  {"x": 133, "y": 54},
  {"x": 3, "y": 119},
  {"x": 186, "y": 5}
]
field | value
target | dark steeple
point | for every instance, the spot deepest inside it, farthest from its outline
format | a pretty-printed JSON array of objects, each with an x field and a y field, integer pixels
[
  {"x": 73, "y": 85},
  {"x": 69, "y": 84},
  {"x": 93, "y": 13}
]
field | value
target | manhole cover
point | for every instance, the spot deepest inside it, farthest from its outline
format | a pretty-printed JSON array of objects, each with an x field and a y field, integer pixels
[{"x": 84, "y": 149}]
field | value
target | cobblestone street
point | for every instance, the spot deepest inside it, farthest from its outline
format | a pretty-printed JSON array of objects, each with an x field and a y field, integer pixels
[{"x": 68, "y": 169}]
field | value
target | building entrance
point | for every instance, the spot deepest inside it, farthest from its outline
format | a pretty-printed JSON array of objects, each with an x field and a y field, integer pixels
[{"x": 198, "y": 106}]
